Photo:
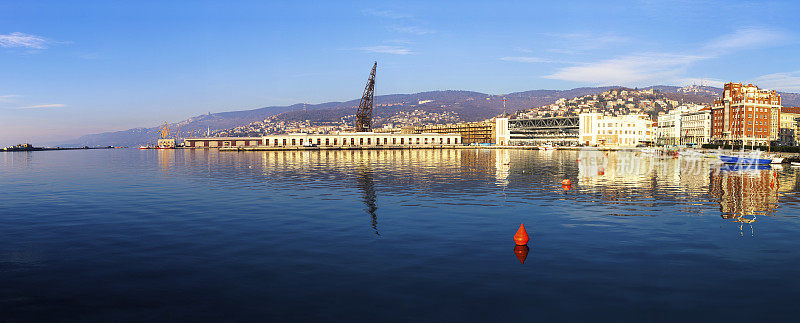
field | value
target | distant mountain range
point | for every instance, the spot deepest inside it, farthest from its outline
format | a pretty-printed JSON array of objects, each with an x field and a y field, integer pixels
[{"x": 470, "y": 106}]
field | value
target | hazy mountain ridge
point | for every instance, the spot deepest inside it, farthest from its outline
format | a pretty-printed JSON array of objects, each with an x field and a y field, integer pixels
[{"x": 469, "y": 105}]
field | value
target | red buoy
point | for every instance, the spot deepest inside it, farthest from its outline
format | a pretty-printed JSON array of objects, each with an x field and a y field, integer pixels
[
  {"x": 521, "y": 238},
  {"x": 566, "y": 182}
]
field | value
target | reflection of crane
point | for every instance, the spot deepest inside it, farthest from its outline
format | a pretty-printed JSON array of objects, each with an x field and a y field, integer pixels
[
  {"x": 365, "y": 183},
  {"x": 364, "y": 113}
]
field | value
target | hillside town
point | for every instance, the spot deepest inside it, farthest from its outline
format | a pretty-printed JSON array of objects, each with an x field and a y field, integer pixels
[
  {"x": 621, "y": 117},
  {"x": 278, "y": 124},
  {"x": 615, "y": 102}
]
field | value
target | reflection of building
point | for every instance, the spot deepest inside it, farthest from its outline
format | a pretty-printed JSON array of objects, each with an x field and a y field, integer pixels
[
  {"x": 618, "y": 169},
  {"x": 746, "y": 114},
  {"x": 746, "y": 192},
  {"x": 354, "y": 139},
  {"x": 502, "y": 165},
  {"x": 604, "y": 130}
]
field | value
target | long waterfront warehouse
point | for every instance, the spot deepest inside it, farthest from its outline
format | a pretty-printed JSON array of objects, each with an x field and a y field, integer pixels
[{"x": 353, "y": 139}]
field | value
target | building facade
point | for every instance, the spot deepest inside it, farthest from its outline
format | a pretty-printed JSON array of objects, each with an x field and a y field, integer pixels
[
  {"x": 344, "y": 140},
  {"x": 471, "y": 132},
  {"x": 696, "y": 126},
  {"x": 790, "y": 126},
  {"x": 746, "y": 115},
  {"x": 596, "y": 129},
  {"x": 668, "y": 131},
  {"x": 549, "y": 130}
]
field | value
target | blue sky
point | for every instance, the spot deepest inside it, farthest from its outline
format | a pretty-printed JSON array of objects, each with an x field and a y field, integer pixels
[{"x": 69, "y": 68}]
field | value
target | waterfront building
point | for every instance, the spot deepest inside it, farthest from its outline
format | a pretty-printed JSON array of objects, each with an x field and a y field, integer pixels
[
  {"x": 342, "y": 140},
  {"x": 596, "y": 129},
  {"x": 686, "y": 124},
  {"x": 668, "y": 131},
  {"x": 790, "y": 128},
  {"x": 471, "y": 132},
  {"x": 549, "y": 130},
  {"x": 746, "y": 115},
  {"x": 696, "y": 125}
]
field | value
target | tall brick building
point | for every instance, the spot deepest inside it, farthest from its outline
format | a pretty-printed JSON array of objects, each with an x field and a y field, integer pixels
[{"x": 746, "y": 114}]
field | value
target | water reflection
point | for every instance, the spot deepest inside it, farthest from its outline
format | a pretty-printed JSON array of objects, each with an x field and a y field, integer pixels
[
  {"x": 367, "y": 186},
  {"x": 745, "y": 193},
  {"x": 626, "y": 183},
  {"x": 521, "y": 252}
]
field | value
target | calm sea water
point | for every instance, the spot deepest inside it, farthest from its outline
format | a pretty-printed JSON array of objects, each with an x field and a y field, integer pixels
[{"x": 393, "y": 236}]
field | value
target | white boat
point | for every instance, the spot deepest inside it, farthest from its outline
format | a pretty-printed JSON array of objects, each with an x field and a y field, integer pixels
[
  {"x": 777, "y": 160},
  {"x": 795, "y": 164}
]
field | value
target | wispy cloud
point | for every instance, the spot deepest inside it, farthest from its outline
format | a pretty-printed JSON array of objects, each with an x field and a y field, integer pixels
[
  {"x": 411, "y": 30},
  {"x": 788, "y": 82},
  {"x": 8, "y": 97},
  {"x": 56, "y": 105},
  {"x": 525, "y": 59},
  {"x": 630, "y": 69},
  {"x": 748, "y": 37},
  {"x": 396, "y": 50},
  {"x": 20, "y": 40},
  {"x": 385, "y": 14},
  {"x": 664, "y": 68}
]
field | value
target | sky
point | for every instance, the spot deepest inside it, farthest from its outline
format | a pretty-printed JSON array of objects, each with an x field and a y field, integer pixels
[{"x": 69, "y": 68}]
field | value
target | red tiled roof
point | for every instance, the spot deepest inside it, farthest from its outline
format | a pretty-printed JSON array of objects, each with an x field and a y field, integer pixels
[{"x": 790, "y": 110}]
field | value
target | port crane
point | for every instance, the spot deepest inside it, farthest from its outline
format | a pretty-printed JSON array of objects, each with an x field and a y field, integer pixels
[
  {"x": 364, "y": 113},
  {"x": 164, "y": 132}
]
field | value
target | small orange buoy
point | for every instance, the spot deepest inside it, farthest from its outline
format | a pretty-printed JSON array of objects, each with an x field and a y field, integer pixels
[
  {"x": 566, "y": 182},
  {"x": 521, "y": 238},
  {"x": 521, "y": 252},
  {"x": 566, "y": 187}
]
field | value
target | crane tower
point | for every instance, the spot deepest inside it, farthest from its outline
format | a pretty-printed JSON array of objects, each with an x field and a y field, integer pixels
[{"x": 364, "y": 113}]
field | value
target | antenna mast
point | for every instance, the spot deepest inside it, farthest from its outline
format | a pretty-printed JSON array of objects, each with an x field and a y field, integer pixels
[{"x": 364, "y": 113}]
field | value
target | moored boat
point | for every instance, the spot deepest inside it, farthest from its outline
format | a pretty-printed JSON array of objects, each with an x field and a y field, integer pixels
[{"x": 728, "y": 159}]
